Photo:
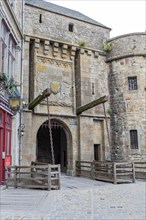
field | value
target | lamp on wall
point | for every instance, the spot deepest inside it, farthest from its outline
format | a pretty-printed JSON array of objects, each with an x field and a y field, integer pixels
[
  {"x": 15, "y": 102},
  {"x": 21, "y": 130}
]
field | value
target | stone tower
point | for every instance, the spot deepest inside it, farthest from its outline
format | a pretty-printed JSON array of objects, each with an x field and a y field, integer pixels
[{"x": 127, "y": 78}]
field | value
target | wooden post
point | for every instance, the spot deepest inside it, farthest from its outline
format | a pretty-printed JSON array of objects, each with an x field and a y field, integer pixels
[
  {"x": 78, "y": 166},
  {"x": 6, "y": 177},
  {"x": 133, "y": 169},
  {"x": 107, "y": 127},
  {"x": 49, "y": 177},
  {"x": 114, "y": 173},
  {"x": 92, "y": 170},
  {"x": 59, "y": 185},
  {"x": 15, "y": 177}
]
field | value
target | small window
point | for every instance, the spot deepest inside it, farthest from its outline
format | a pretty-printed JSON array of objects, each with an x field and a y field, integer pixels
[
  {"x": 132, "y": 83},
  {"x": 133, "y": 139},
  {"x": 71, "y": 27},
  {"x": 93, "y": 89},
  {"x": 40, "y": 19}
]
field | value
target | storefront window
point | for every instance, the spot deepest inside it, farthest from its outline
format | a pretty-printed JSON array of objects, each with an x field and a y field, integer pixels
[{"x": 7, "y": 51}]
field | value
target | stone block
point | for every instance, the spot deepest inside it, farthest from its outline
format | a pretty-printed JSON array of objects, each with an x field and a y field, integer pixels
[{"x": 27, "y": 39}]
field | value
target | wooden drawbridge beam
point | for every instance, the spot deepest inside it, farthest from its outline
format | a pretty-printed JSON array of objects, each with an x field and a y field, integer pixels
[
  {"x": 39, "y": 98},
  {"x": 92, "y": 104}
]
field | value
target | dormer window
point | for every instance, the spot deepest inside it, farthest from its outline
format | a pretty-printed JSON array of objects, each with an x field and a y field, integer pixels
[{"x": 71, "y": 27}]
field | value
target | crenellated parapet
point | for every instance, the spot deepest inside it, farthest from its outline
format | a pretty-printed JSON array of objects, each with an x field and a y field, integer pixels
[{"x": 60, "y": 50}]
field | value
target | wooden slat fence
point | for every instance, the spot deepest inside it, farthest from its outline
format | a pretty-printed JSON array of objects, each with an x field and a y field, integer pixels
[
  {"x": 140, "y": 169},
  {"x": 35, "y": 176},
  {"x": 115, "y": 172}
]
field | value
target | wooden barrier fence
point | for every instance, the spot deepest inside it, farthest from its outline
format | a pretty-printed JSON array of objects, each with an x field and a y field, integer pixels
[
  {"x": 35, "y": 176},
  {"x": 115, "y": 172},
  {"x": 140, "y": 169}
]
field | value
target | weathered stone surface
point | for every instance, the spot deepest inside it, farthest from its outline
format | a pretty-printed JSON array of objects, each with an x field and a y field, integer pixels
[
  {"x": 85, "y": 74},
  {"x": 128, "y": 106},
  {"x": 56, "y": 26}
]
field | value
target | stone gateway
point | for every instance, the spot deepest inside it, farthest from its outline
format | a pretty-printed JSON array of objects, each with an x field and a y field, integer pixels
[{"x": 67, "y": 47}]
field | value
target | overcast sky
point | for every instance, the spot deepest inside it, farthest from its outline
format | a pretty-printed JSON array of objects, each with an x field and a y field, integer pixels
[{"x": 123, "y": 16}]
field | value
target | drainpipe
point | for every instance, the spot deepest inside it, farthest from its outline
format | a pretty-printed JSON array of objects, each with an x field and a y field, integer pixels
[{"x": 21, "y": 82}]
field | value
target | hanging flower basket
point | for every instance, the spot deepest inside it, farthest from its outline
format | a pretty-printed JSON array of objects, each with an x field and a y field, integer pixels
[{"x": 9, "y": 84}]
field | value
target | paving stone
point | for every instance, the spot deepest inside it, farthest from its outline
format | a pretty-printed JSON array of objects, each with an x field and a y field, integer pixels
[{"x": 85, "y": 201}]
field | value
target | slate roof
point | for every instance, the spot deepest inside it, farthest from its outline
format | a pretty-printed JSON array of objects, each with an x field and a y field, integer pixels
[{"x": 63, "y": 11}]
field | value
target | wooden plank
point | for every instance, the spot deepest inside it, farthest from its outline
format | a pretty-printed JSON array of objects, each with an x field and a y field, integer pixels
[
  {"x": 125, "y": 169},
  {"x": 140, "y": 162},
  {"x": 85, "y": 166},
  {"x": 15, "y": 177},
  {"x": 91, "y": 104},
  {"x": 114, "y": 172},
  {"x": 133, "y": 172},
  {"x": 59, "y": 177},
  {"x": 33, "y": 186},
  {"x": 55, "y": 172},
  {"x": 33, "y": 178},
  {"x": 55, "y": 166},
  {"x": 49, "y": 177},
  {"x": 123, "y": 163},
  {"x": 83, "y": 170},
  {"x": 85, "y": 162},
  {"x": 104, "y": 179},
  {"x": 104, "y": 173},
  {"x": 39, "y": 98},
  {"x": 123, "y": 181},
  {"x": 126, "y": 174},
  {"x": 55, "y": 178}
]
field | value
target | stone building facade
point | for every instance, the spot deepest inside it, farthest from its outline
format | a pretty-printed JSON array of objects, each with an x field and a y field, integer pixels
[
  {"x": 64, "y": 46},
  {"x": 10, "y": 71}
]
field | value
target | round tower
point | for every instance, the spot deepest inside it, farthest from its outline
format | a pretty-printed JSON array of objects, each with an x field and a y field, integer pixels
[{"x": 127, "y": 87}]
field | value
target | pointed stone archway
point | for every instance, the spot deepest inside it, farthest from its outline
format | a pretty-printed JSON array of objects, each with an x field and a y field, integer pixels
[{"x": 61, "y": 141}]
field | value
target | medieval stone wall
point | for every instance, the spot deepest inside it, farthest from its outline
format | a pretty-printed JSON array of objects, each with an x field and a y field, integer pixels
[
  {"x": 56, "y": 26},
  {"x": 52, "y": 53},
  {"x": 127, "y": 59}
]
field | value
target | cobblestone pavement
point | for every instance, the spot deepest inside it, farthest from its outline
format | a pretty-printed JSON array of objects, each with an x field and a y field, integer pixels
[{"x": 78, "y": 199}]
